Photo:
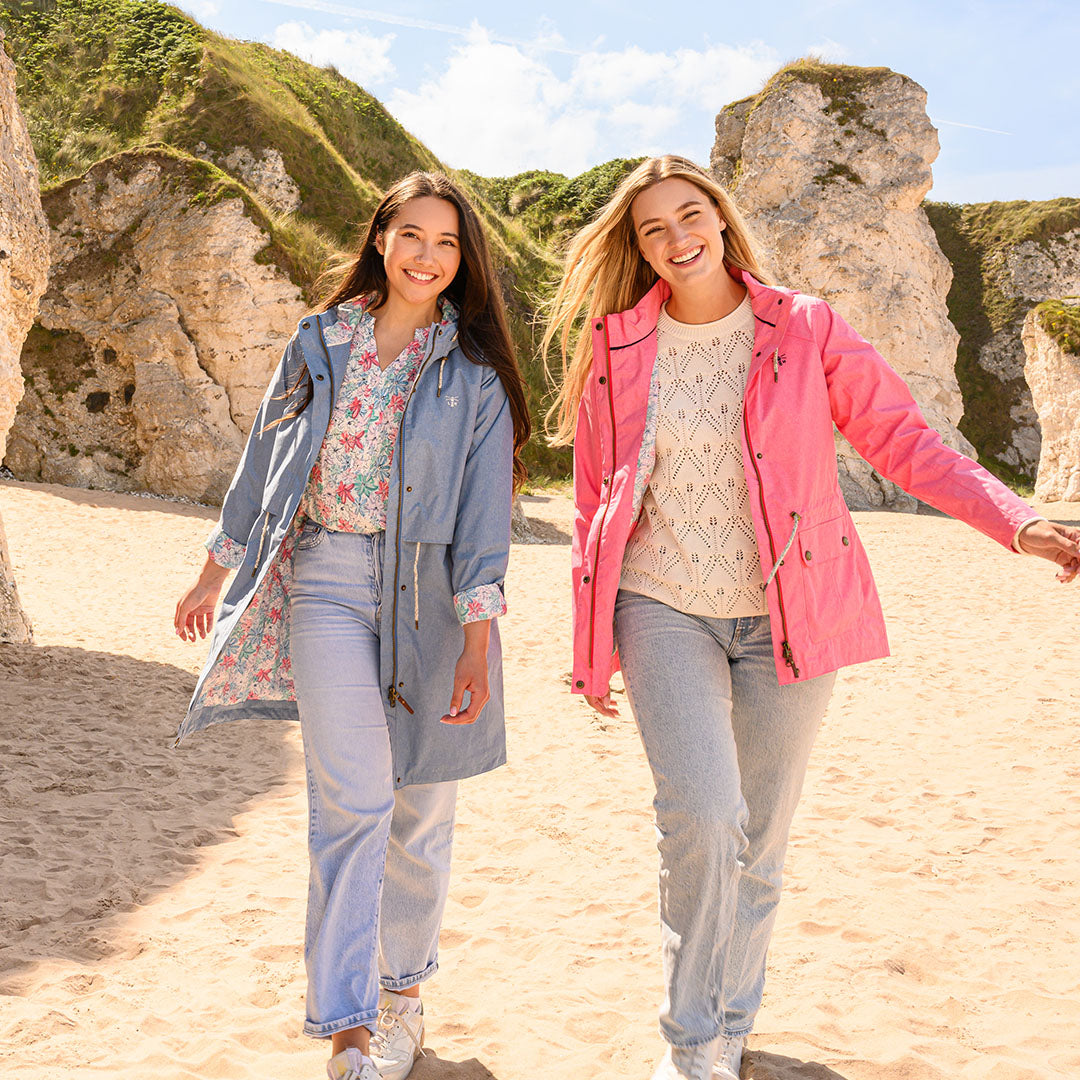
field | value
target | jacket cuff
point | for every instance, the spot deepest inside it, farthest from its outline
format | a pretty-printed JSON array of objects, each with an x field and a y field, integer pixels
[
  {"x": 479, "y": 602},
  {"x": 224, "y": 550},
  {"x": 1022, "y": 527}
]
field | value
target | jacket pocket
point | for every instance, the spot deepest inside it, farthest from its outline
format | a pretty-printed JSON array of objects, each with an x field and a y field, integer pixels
[{"x": 835, "y": 576}]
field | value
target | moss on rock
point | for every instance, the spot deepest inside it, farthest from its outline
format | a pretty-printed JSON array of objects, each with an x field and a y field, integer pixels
[{"x": 1061, "y": 320}]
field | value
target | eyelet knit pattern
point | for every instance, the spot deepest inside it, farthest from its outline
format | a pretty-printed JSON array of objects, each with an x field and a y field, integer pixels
[{"x": 694, "y": 546}]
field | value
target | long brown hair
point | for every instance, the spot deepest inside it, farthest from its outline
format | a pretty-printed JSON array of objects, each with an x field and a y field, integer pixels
[
  {"x": 482, "y": 327},
  {"x": 606, "y": 272}
]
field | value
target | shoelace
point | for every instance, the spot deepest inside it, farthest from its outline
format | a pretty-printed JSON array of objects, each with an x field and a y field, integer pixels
[
  {"x": 700, "y": 1066},
  {"x": 728, "y": 1047},
  {"x": 389, "y": 1020}
]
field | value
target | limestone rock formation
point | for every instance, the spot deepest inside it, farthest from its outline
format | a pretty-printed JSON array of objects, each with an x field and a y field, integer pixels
[
  {"x": 24, "y": 261},
  {"x": 1009, "y": 258},
  {"x": 162, "y": 323},
  {"x": 830, "y": 165},
  {"x": 1053, "y": 374},
  {"x": 265, "y": 175}
]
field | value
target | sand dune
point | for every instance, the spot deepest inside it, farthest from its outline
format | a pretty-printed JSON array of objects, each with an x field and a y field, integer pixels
[{"x": 151, "y": 901}]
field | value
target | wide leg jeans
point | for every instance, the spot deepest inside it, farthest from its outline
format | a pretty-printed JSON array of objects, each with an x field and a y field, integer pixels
[
  {"x": 728, "y": 747},
  {"x": 379, "y": 858}
]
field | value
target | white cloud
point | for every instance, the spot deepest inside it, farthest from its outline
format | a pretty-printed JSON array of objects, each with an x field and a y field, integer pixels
[
  {"x": 832, "y": 52},
  {"x": 203, "y": 10},
  {"x": 498, "y": 111},
  {"x": 359, "y": 55},
  {"x": 512, "y": 111}
]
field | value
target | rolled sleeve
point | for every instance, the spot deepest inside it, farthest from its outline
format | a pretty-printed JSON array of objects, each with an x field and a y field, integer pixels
[
  {"x": 1016, "y": 535},
  {"x": 478, "y": 603},
  {"x": 224, "y": 550}
]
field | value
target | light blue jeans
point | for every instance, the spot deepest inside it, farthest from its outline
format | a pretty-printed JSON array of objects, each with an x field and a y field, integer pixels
[
  {"x": 380, "y": 858},
  {"x": 728, "y": 747}
]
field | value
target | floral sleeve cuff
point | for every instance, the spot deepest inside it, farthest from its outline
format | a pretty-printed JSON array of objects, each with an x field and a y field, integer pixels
[
  {"x": 481, "y": 602},
  {"x": 224, "y": 550}
]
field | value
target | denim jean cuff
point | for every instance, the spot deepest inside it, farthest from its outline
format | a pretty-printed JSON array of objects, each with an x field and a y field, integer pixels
[
  {"x": 324, "y": 1031},
  {"x": 410, "y": 980},
  {"x": 722, "y": 1032}
]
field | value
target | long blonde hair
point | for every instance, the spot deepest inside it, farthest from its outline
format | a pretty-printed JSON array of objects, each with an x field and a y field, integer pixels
[{"x": 605, "y": 272}]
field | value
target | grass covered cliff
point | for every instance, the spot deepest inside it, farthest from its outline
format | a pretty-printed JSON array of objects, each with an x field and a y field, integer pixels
[
  {"x": 113, "y": 79},
  {"x": 987, "y": 301}
]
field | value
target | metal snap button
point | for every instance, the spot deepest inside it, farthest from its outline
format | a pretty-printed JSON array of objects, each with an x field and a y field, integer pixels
[
  {"x": 586, "y": 579},
  {"x": 579, "y": 684},
  {"x": 808, "y": 558},
  {"x": 845, "y": 541},
  {"x": 603, "y": 380},
  {"x": 306, "y": 325},
  {"x": 319, "y": 377}
]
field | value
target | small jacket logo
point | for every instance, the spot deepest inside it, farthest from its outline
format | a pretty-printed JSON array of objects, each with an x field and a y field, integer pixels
[{"x": 452, "y": 400}]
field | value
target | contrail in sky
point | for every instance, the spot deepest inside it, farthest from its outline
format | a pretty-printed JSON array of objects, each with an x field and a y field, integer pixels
[
  {"x": 347, "y": 10},
  {"x": 974, "y": 127}
]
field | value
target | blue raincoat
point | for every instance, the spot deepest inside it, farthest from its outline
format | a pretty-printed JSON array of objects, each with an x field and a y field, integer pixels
[{"x": 448, "y": 531}]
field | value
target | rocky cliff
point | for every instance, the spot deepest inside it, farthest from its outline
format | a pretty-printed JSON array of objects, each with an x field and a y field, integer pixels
[
  {"x": 1051, "y": 340},
  {"x": 310, "y": 148},
  {"x": 830, "y": 165},
  {"x": 1007, "y": 257},
  {"x": 164, "y": 317},
  {"x": 24, "y": 260}
]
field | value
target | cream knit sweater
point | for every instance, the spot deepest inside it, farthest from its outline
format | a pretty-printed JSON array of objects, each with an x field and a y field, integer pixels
[{"x": 694, "y": 546}]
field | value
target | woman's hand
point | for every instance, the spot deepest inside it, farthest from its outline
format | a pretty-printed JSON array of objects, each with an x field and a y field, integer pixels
[
  {"x": 195, "y": 611},
  {"x": 471, "y": 674},
  {"x": 1058, "y": 543},
  {"x": 604, "y": 705}
]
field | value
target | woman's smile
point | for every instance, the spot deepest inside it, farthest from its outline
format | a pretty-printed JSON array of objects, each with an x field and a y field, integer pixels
[{"x": 688, "y": 257}]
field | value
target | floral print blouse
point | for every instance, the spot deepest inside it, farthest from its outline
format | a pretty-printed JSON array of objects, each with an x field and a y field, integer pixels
[{"x": 349, "y": 484}]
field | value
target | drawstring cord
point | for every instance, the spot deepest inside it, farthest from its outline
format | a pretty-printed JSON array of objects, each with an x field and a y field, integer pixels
[
  {"x": 416, "y": 588},
  {"x": 262, "y": 540},
  {"x": 787, "y": 547}
]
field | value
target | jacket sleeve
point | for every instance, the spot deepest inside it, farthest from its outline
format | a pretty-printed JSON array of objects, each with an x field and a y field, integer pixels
[
  {"x": 480, "y": 549},
  {"x": 875, "y": 412},
  {"x": 227, "y": 542}
]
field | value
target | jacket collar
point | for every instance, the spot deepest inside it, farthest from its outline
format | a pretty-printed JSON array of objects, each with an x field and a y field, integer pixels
[
  {"x": 771, "y": 306},
  {"x": 326, "y": 338}
]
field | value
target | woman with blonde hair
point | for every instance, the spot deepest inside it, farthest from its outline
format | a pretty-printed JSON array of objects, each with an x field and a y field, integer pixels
[{"x": 712, "y": 544}]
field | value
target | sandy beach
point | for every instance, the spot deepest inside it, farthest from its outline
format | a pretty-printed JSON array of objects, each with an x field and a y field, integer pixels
[{"x": 152, "y": 900}]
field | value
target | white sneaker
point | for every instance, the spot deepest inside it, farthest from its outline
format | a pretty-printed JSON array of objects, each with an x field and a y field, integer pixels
[
  {"x": 398, "y": 1039},
  {"x": 729, "y": 1058},
  {"x": 350, "y": 1064},
  {"x": 687, "y": 1063}
]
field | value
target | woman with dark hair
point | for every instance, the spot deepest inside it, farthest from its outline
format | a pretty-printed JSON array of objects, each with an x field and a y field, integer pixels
[
  {"x": 369, "y": 524},
  {"x": 712, "y": 544}
]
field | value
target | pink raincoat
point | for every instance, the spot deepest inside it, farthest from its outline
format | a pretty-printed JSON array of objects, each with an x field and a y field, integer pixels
[{"x": 809, "y": 370}]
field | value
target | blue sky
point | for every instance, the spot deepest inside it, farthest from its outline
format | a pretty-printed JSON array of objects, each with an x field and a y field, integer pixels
[{"x": 498, "y": 87}]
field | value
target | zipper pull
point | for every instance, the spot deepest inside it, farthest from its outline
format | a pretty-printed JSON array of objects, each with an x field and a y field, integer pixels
[
  {"x": 789, "y": 658},
  {"x": 405, "y": 705},
  {"x": 776, "y": 366}
]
